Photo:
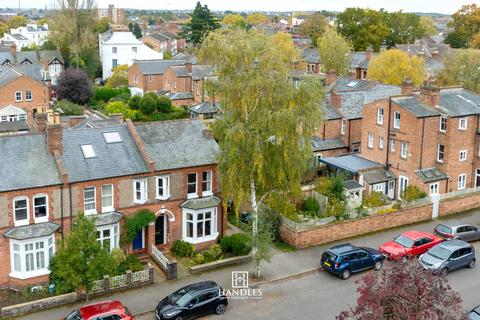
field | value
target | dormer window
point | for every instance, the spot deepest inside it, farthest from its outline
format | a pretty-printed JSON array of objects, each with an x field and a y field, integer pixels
[
  {"x": 87, "y": 151},
  {"x": 26, "y": 61}
]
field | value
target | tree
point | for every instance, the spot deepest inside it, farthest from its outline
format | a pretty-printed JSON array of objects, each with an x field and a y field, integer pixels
[
  {"x": 116, "y": 107},
  {"x": 335, "y": 51},
  {"x": 264, "y": 133},
  {"x": 72, "y": 28},
  {"x": 404, "y": 291},
  {"x": 465, "y": 24},
  {"x": 149, "y": 103},
  {"x": 17, "y": 21},
  {"x": 3, "y": 28},
  {"x": 81, "y": 259},
  {"x": 413, "y": 193},
  {"x": 313, "y": 27},
  {"x": 475, "y": 42},
  {"x": 164, "y": 104},
  {"x": 428, "y": 25},
  {"x": 461, "y": 68},
  {"x": 362, "y": 28},
  {"x": 74, "y": 86},
  {"x": 393, "y": 66},
  {"x": 404, "y": 28},
  {"x": 257, "y": 18},
  {"x": 201, "y": 23},
  {"x": 135, "y": 29},
  {"x": 234, "y": 21},
  {"x": 119, "y": 77}
]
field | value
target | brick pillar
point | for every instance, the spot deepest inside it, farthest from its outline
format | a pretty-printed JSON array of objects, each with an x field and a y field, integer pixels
[
  {"x": 129, "y": 278},
  {"x": 106, "y": 283},
  {"x": 150, "y": 237}
]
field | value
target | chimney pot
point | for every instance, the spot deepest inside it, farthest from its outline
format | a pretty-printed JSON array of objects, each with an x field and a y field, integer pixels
[
  {"x": 430, "y": 93},
  {"x": 331, "y": 77},
  {"x": 407, "y": 86}
]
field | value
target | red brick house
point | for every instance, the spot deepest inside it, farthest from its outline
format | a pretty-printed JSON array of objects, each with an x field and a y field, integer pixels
[
  {"x": 427, "y": 138},
  {"x": 107, "y": 172}
]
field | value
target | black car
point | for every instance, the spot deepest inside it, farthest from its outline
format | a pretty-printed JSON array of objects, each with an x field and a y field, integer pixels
[{"x": 193, "y": 301}]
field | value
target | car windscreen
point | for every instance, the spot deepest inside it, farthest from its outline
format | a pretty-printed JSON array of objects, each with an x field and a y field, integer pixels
[
  {"x": 440, "y": 252},
  {"x": 180, "y": 298},
  {"x": 404, "y": 241},
  {"x": 443, "y": 229},
  {"x": 329, "y": 256},
  {"x": 75, "y": 315},
  {"x": 475, "y": 314}
]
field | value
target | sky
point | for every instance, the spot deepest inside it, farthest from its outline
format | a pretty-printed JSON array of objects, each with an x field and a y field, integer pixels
[{"x": 438, "y": 6}]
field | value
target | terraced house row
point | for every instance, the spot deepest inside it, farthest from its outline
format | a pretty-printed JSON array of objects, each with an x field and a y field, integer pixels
[{"x": 108, "y": 170}]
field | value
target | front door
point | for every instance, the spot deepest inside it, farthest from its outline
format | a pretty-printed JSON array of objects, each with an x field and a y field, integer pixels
[
  {"x": 477, "y": 178},
  {"x": 391, "y": 189},
  {"x": 138, "y": 241},
  {"x": 402, "y": 185},
  {"x": 160, "y": 227}
]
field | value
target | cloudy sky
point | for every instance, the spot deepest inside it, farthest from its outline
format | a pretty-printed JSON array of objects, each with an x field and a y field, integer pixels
[{"x": 440, "y": 6}]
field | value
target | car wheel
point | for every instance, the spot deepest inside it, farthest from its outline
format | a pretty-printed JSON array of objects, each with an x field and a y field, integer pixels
[
  {"x": 220, "y": 309},
  {"x": 404, "y": 259},
  {"x": 377, "y": 266},
  {"x": 346, "y": 274},
  {"x": 472, "y": 263},
  {"x": 444, "y": 272}
]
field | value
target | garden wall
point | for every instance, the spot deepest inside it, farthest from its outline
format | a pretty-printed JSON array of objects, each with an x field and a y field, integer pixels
[{"x": 315, "y": 235}]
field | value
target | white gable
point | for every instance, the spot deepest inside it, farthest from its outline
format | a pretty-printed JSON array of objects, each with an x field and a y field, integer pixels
[{"x": 11, "y": 111}]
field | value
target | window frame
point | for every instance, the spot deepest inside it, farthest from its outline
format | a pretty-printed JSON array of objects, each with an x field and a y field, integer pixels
[
  {"x": 443, "y": 122},
  {"x": 195, "y": 239},
  {"x": 94, "y": 202},
  {"x": 209, "y": 191},
  {"x": 460, "y": 127},
  {"x": 18, "y": 93},
  {"x": 143, "y": 191},
  {"x": 392, "y": 145},
  {"x": 41, "y": 219},
  {"x": 464, "y": 180},
  {"x": 396, "y": 122},
  {"x": 380, "y": 114},
  {"x": 370, "y": 140},
  {"x": 403, "y": 154},
  {"x": 464, "y": 152},
  {"x": 113, "y": 238},
  {"x": 342, "y": 126},
  {"x": 48, "y": 251},
  {"x": 191, "y": 195},
  {"x": 442, "y": 153},
  {"x": 166, "y": 187},
  {"x": 436, "y": 186},
  {"x": 111, "y": 196},
  {"x": 26, "y": 95},
  {"x": 22, "y": 222},
  {"x": 381, "y": 143}
]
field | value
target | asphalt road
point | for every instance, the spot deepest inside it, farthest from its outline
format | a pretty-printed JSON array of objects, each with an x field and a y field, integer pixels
[{"x": 322, "y": 295}]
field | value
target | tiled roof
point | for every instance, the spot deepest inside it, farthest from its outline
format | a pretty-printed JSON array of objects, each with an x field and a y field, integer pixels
[
  {"x": 415, "y": 106},
  {"x": 330, "y": 144},
  {"x": 110, "y": 160},
  {"x": 377, "y": 176},
  {"x": 331, "y": 113},
  {"x": 201, "y": 203},
  {"x": 431, "y": 174},
  {"x": 350, "y": 162},
  {"x": 201, "y": 71},
  {"x": 178, "y": 144},
  {"x": 311, "y": 55},
  {"x": 148, "y": 67},
  {"x": 13, "y": 126},
  {"x": 32, "y": 231},
  {"x": 26, "y": 163},
  {"x": 458, "y": 102},
  {"x": 352, "y": 184},
  {"x": 180, "y": 71}
]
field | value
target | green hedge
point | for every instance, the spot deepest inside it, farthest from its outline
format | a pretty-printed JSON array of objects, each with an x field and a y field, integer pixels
[
  {"x": 105, "y": 93},
  {"x": 182, "y": 249},
  {"x": 239, "y": 244}
]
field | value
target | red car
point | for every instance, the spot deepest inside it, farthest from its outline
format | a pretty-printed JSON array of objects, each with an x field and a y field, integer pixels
[
  {"x": 409, "y": 244},
  {"x": 111, "y": 310}
]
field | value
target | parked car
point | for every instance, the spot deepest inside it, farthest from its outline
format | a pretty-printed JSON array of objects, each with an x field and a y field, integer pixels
[
  {"x": 457, "y": 230},
  {"x": 345, "y": 259},
  {"x": 108, "y": 310},
  {"x": 246, "y": 217},
  {"x": 448, "y": 256},
  {"x": 193, "y": 301},
  {"x": 408, "y": 245},
  {"x": 474, "y": 314}
]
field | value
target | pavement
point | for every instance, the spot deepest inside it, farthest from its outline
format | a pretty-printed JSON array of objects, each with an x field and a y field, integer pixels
[{"x": 293, "y": 285}]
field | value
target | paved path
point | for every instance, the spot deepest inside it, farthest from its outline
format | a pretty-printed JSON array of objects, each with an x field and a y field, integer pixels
[{"x": 325, "y": 295}]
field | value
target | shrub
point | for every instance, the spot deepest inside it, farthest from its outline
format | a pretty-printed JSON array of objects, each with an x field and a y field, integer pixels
[
  {"x": 134, "y": 102},
  {"x": 412, "y": 193},
  {"x": 213, "y": 253},
  {"x": 197, "y": 259},
  {"x": 311, "y": 204},
  {"x": 387, "y": 210},
  {"x": 68, "y": 108},
  {"x": 164, "y": 104},
  {"x": 149, "y": 103},
  {"x": 226, "y": 244},
  {"x": 241, "y": 244},
  {"x": 141, "y": 219},
  {"x": 269, "y": 222},
  {"x": 120, "y": 107},
  {"x": 182, "y": 249},
  {"x": 74, "y": 85},
  {"x": 132, "y": 263},
  {"x": 123, "y": 97},
  {"x": 374, "y": 200},
  {"x": 105, "y": 93}
]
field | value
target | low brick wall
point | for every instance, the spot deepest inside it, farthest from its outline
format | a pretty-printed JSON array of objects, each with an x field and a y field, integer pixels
[
  {"x": 27, "y": 307},
  {"x": 459, "y": 204},
  {"x": 346, "y": 229},
  {"x": 220, "y": 264}
]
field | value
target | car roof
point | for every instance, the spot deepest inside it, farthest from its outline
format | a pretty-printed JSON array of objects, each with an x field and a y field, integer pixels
[
  {"x": 343, "y": 248},
  {"x": 455, "y": 224},
  {"x": 99, "y": 308},
  {"x": 454, "y": 244},
  {"x": 200, "y": 286},
  {"x": 416, "y": 234}
]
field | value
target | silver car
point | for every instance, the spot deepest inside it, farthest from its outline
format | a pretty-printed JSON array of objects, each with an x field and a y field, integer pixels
[
  {"x": 457, "y": 230},
  {"x": 448, "y": 256}
]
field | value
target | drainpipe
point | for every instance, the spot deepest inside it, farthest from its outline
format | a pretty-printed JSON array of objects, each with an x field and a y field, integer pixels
[
  {"x": 388, "y": 130},
  {"x": 421, "y": 152},
  {"x": 324, "y": 127},
  {"x": 349, "y": 133},
  {"x": 61, "y": 210},
  {"x": 475, "y": 151},
  {"x": 71, "y": 207}
]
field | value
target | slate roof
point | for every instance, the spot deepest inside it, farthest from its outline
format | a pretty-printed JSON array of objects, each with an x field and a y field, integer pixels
[
  {"x": 32, "y": 231},
  {"x": 415, "y": 106},
  {"x": 33, "y": 71},
  {"x": 357, "y": 60},
  {"x": 111, "y": 159},
  {"x": 6, "y": 56},
  {"x": 377, "y": 176},
  {"x": 189, "y": 57},
  {"x": 320, "y": 145},
  {"x": 331, "y": 113},
  {"x": 311, "y": 55},
  {"x": 352, "y": 184},
  {"x": 177, "y": 144},
  {"x": 431, "y": 174},
  {"x": 201, "y": 71},
  {"x": 180, "y": 71},
  {"x": 458, "y": 102},
  {"x": 205, "y": 108},
  {"x": 8, "y": 74},
  {"x": 180, "y": 95},
  {"x": 13, "y": 126},
  {"x": 159, "y": 37},
  {"x": 104, "y": 219},
  {"x": 19, "y": 36},
  {"x": 350, "y": 162},
  {"x": 26, "y": 163},
  {"x": 50, "y": 55},
  {"x": 201, "y": 203},
  {"x": 148, "y": 67}
]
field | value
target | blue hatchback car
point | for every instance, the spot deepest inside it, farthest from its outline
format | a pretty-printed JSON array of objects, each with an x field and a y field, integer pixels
[{"x": 345, "y": 259}]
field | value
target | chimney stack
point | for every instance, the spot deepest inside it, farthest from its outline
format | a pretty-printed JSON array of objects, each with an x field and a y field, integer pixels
[
  {"x": 331, "y": 77},
  {"x": 430, "y": 94},
  {"x": 54, "y": 132},
  {"x": 117, "y": 116},
  {"x": 74, "y": 120},
  {"x": 39, "y": 120},
  {"x": 13, "y": 49},
  {"x": 407, "y": 86},
  {"x": 189, "y": 67},
  {"x": 335, "y": 99},
  {"x": 368, "y": 53}
]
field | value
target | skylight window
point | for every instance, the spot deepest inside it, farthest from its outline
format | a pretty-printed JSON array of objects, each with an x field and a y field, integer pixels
[
  {"x": 88, "y": 152},
  {"x": 111, "y": 137},
  {"x": 352, "y": 84}
]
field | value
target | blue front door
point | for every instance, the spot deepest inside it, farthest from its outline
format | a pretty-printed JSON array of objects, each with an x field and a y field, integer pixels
[{"x": 138, "y": 241}]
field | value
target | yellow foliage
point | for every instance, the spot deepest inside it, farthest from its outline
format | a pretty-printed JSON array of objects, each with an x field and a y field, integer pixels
[
  {"x": 475, "y": 42},
  {"x": 393, "y": 66},
  {"x": 257, "y": 18},
  {"x": 387, "y": 210},
  {"x": 234, "y": 20},
  {"x": 283, "y": 41}
]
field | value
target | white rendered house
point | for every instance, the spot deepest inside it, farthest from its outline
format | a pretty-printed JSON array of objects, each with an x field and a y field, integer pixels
[
  {"x": 118, "y": 48},
  {"x": 26, "y": 36}
]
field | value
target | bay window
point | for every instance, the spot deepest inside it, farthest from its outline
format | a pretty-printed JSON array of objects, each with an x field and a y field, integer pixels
[
  {"x": 89, "y": 201},
  {"x": 200, "y": 225},
  {"x": 20, "y": 208},
  {"x": 108, "y": 236},
  {"x": 30, "y": 258},
  {"x": 40, "y": 208}
]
